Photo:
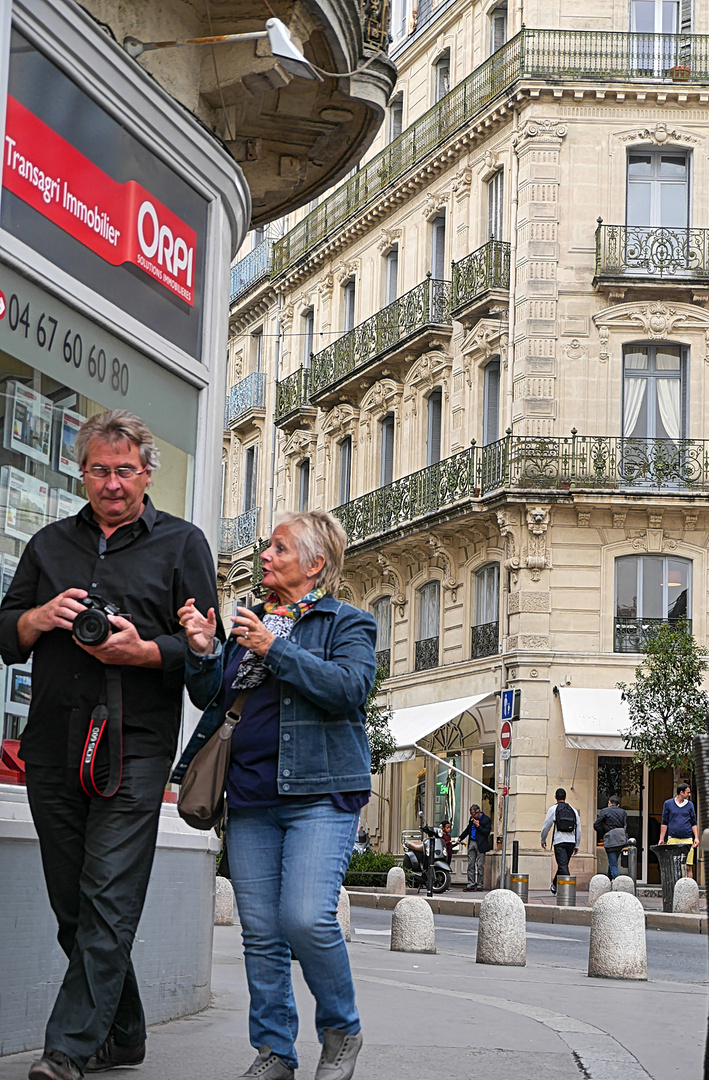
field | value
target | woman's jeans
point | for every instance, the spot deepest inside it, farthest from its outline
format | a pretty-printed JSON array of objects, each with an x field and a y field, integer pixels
[
  {"x": 287, "y": 867},
  {"x": 613, "y": 854}
]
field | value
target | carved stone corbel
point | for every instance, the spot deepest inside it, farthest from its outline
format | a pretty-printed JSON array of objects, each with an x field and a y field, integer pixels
[{"x": 537, "y": 525}]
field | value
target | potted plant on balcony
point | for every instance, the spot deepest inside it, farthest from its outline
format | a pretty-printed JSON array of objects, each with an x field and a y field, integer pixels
[{"x": 680, "y": 73}]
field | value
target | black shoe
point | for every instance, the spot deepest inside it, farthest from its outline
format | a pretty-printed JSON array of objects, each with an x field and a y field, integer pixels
[
  {"x": 470, "y": 888},
  {"x": 111, "y": 1055},
  {"x": 54, "y": 1065},
  {"x": 479, "y": 888},
  {"x": 552, "y": 888}
]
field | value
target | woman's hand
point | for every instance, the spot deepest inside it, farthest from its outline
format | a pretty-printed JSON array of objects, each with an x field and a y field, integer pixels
[
  {"x": 250, "y": 632},
  {"x": 200, "y": 631}
]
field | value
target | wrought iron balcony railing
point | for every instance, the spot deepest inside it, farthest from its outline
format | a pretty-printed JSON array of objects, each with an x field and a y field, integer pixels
[
  {"x": 485, "y": 640},
  {"x": 383, "y": 659},
  {"x": 640, "y": 251},
  {"x": 248, "y": 394},
  {"x": 428, "y": 304},
  {"x": 254, "y": 267},
  {"x": 239, "y": 532},
  {"x": 426, "y": 654},
  {"x": 553, "y": 55},
  {"x": 485, "y": 269},
  {"x": 632, "y": 635},
  {"x": 292, "y": 393},
  {"x": 577, "y": 462}
]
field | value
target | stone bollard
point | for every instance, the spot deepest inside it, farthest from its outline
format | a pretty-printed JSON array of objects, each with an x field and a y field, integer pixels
[
  {"x": 598, "y": 886},
  {"x": 502, "y": 930},
  {"x": 396, "y": 881},
  {"x": 617, "y": 948},
  {"x": 624, "y": 884},
  {"x": 224, "y": 903},
  {"x": 343, "y": 913},
  {"x": 686, "y": 897},
  {"x": 412, "y": 928}
]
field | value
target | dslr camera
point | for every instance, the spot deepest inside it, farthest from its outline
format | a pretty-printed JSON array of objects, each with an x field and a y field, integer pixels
[{"x": 92, "y": 626}]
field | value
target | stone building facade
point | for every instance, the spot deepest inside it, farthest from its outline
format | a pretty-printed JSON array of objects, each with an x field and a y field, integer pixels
[{"x": 487, "y": 351}]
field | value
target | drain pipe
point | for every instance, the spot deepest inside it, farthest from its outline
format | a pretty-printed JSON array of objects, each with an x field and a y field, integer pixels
[
  {"x": 277, "y": 366},
  {"x": 514, "y": 203}
]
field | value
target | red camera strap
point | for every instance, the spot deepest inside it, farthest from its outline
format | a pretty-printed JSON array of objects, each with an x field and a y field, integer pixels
[{"x": 106, "y": 721}]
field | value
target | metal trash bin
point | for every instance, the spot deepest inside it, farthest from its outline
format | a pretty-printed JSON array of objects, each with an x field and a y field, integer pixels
[
  {"x": 519, "y": 883},
  {"x": 566, "y": 892},
  {"x": 672, "y": 859}
]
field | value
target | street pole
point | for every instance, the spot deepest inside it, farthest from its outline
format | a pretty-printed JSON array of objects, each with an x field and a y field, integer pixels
[{"x": 504, "y": 823}]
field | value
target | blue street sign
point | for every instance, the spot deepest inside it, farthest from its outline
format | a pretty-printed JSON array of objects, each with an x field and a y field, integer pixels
[{"x": 508, "y": 697}]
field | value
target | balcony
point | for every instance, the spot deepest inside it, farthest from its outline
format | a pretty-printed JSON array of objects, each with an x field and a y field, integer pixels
[
  {"x": 484, "y": 640},
  {"x": 481, "y": 279},
  {"x": 551, "y": 55},
  {"x": 292, "y": 398},
  {"x": 245, "y": 397},
  {"x": 239, "y": 532},
  {"x": 249, "y": 271},
  {"x": 383, "y": 660},
  {"x": 426, "y": 654},
  {"x": 638, "y": 254},
  {"x": 632, "y": 635},
  {"x": 403, "y": 326}
]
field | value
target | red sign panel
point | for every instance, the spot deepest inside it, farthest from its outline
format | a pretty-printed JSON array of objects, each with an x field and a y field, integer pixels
[
  {"x": 122, "y": 223},
  {"x": 505, "y": 735}
]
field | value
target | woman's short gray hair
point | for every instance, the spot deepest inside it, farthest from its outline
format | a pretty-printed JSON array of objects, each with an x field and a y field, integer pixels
[
  {"x": 114, "y": 426},
  {"x": 316, "y": 532}
]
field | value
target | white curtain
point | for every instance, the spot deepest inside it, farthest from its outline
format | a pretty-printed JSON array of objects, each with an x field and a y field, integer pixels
[
  {"x": 635, "y": 390},
  {"x": 668, "y": 399}
]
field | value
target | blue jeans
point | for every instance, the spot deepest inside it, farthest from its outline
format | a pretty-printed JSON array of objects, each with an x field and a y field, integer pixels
[
  {"x": 287, "y": 866},
  {"x": 613, "y": 854}
]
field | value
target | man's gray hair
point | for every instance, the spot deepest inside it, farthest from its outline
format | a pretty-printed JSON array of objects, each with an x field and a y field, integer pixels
[
  {"x": 114, "y": 426},
  {"x": 316, "y": 532}
]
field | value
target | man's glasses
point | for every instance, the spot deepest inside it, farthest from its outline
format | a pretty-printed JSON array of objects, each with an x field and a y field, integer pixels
[{"x": 123, "y": 472}]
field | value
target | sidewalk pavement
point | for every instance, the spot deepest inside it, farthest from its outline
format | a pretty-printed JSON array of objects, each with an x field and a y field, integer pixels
[{"x": 441, "y": 1015}]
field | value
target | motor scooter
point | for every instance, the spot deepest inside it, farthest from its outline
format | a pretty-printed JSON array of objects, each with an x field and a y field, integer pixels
[
  {"x": 417, "y": 856},
  {"x": 362, "y": 844}
]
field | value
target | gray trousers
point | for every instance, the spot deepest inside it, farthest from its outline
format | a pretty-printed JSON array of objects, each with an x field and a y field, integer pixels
[{"x": 476, "y": 863}]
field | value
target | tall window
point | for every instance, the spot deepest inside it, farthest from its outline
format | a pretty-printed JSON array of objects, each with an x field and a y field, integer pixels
[
  {"x": 396, "y": 117},
  {"x": 381, "y": 609},
  {"x": 658, "y": 189},
  {"x": 653, "y": 388},
  {"x": 649, "y": 589},
  {"x": 443, "y": 76},
  {"x": 655, "y": 16},
  {"x": 400, "y": 17},
  {"x": 392, "y": 276},
  {"x": 345, "y": 469},
  {"x": 438, "y": 248},
  {"x": 304, "y": 485},
  {"x": 308, "y": 335},
  {"x": 258, "y": 349},
  {"x": 428, "y": 626},
  {"x": 485, "y": 635},
  {"x": 433, "y": 442},
  {"x": 349, "y": 305},
  {"x": 491, "y": 402},
  {"x": 495, "y": 189},
  {"x": 250, "y": 477},
  {"x": 387, "y": 451},
  {"x": 498, "y": 27}
]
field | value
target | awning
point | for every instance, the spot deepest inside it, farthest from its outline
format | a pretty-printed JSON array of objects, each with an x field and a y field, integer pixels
[
  {"x": 409, "y": 726},
  {"x": 594, "y": 719}
]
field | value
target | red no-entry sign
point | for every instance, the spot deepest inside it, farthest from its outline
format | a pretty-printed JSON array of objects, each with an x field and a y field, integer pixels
[{"x": 505, "y": 735}]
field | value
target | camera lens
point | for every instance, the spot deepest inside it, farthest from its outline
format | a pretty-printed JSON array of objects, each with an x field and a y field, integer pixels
[{"x": 91, "y": 627}]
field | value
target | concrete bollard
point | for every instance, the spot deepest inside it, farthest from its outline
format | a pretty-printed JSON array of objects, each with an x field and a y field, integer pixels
[
  {"x": 412, "y": 928},
  {"x": 686, "y": 896},
  {"x": 396, "y": 881},
  {"x": 343, "y": 913},
  {"x": 598, "y": 886},
  {"x": 617, "y": 948},
  {"x": 224, "y": 902},
  {"x": 502, "y": 935},
  {"x": 623, "y": 884}
]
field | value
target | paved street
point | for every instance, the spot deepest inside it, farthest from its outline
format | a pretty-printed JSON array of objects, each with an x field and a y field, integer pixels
[{"x": 442, "y": 1015}]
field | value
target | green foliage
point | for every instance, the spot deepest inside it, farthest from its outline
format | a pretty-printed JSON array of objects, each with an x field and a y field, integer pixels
[
  {"x": 369, "y": 868},
  {"x": 667, "y": 704},
  {"x": 381, "y": 740}
]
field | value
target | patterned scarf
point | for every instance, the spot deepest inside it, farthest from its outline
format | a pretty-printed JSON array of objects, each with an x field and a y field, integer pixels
[{"x": 279, "y": 619}]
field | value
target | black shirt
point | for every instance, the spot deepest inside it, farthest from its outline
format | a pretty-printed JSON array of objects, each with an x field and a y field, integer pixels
[{"x": 149, "y": 568}]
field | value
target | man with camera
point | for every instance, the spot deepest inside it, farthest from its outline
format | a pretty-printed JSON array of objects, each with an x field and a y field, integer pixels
[{"x": 103, "y": 725}]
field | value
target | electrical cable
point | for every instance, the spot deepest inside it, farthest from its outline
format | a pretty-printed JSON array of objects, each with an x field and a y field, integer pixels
[{"x": 216, "y": 74}]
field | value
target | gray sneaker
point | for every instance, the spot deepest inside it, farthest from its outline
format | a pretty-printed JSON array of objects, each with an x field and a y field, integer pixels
[
  {"x": 268, "y": 1066},
  {"x": 339, "y": 1055}
]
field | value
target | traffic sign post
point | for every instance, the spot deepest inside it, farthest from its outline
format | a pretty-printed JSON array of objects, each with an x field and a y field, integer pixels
[{"x": 509, "y": 711}]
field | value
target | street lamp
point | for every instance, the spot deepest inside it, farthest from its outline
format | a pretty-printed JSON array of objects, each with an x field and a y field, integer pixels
[{"x": 279, "y": 39}]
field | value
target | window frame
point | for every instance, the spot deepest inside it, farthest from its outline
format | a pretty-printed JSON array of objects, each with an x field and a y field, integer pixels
[
  {"x": 493, "y": 365},
  {"x": 349, "y": 301},
  {"x": 386, "y": 458},
  {"x": 304, "y": 485},
  {"x": 653, "y": 377},
  {"x": 345, "y": 477}
]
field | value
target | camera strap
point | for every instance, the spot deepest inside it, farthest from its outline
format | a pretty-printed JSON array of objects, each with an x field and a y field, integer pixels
[{"x": 106, "y": 721}]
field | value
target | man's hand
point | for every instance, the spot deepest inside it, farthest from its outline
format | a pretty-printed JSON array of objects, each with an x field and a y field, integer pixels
[
  {"x": 57, "y": 614},
  {"x": 544, "y": 844},
  {"x": 125, "y": 646}
]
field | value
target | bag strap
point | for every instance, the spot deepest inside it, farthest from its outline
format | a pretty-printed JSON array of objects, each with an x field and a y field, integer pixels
[
  {"x": 106, "y": 719},
  {"x": 233, "y": 713}
]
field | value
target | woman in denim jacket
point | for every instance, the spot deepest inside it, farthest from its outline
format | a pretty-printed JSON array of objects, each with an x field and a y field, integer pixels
[{"x": 299, "y": 776}]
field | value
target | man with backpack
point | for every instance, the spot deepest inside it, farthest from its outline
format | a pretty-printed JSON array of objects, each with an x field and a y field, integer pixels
[{"x": 566, "y": 838}]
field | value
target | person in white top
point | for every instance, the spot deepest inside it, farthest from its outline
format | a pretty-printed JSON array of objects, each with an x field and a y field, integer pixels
[{"x": 566, "y": 838}]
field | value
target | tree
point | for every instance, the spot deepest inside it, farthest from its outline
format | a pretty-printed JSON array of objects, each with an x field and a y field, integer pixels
[
  {"x": 381, "y": 740},
  {"x": 667, "y": 704}
]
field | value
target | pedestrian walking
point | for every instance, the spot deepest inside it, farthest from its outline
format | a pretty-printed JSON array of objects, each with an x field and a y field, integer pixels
[
  {"x": 679, "y": 822},
  {"x": 566, "y": 837},
  {"x": 611, "y": 826},
  {"x": 477, "y": 833},
  {"x": 299, "y": 776},
  {"x": 103, "y": 725}
]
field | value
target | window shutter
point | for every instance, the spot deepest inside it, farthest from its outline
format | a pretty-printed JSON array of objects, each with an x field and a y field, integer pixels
[
  {"x": 250, "y": 477},
  {"x": 491, "y": 418},
  {"x": 308, "y": 328},
  {"x": 439, "y": 248},
  {"x": 494, "y": 206},
  {"x": 428, "y": 611},
  {"x": 304, "y": 485},
  {"x": 434, "y": 428},
  {"x": 486, "y": 594},
  {"x": 345, "y": 469},
  {"x": 349, "y": 305},
  {"x": 387, "y": 471},
  {"x": 396, "y": 118},
  {"x": 499, "y": 28},
  {"x": 686, "y": 17},
  {"x": 392, "y": 271},
  {"x": 382, "y": 617}
]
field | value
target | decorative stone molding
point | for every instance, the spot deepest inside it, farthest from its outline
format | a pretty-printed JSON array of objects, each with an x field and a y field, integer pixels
[
  {"x": 583, "y": 518},
  {"x": 656, "y": 319},
  {"x": 439, "y": 550},
  {"x": 654, "y": 519},
  {"x": 485, "y": 341},
  {"x": 659, "y": 135},
  {"x": 619, "y": 517},
  {"x": 529, "y": 602},
  {"x": 434, "y": 203},
  {"x": 537, "y": 525},
  {"x": 489, "y": 164},
  {"x": 393, "y": 576},
  {"x": 604, "y": 353},
  {"x": 345, "y": 271},
  {"x": 286, "y": 317},
  {"x": 299, "y": 443},
  {"x": 340, "y": 421},
  {"x": 531, "y": 642},
  {"x": 690, "y": 520},
  {"x": 507, "y": 529},
  {"x": 574, "y": 350},
  {"x": 388, "y": 238},
  {"x": 380, "y": 398},
  {"x": 325, "y": 286},
  {"x": 431, "y": 369},
  {"x": 462, "y": 182},
  {"x": 547, "y": 131}
]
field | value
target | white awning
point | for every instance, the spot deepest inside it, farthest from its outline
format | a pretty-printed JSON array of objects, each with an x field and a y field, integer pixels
[
  {"x": 409, "y": 726},
  {"x": 594, "y": 719}
]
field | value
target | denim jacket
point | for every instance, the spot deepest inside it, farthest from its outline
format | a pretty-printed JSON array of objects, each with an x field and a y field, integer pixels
[{"x": 326, "y": 669}]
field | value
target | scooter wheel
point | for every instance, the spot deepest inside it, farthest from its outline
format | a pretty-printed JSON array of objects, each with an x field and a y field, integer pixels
[{"x": 441, "y": 880}]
